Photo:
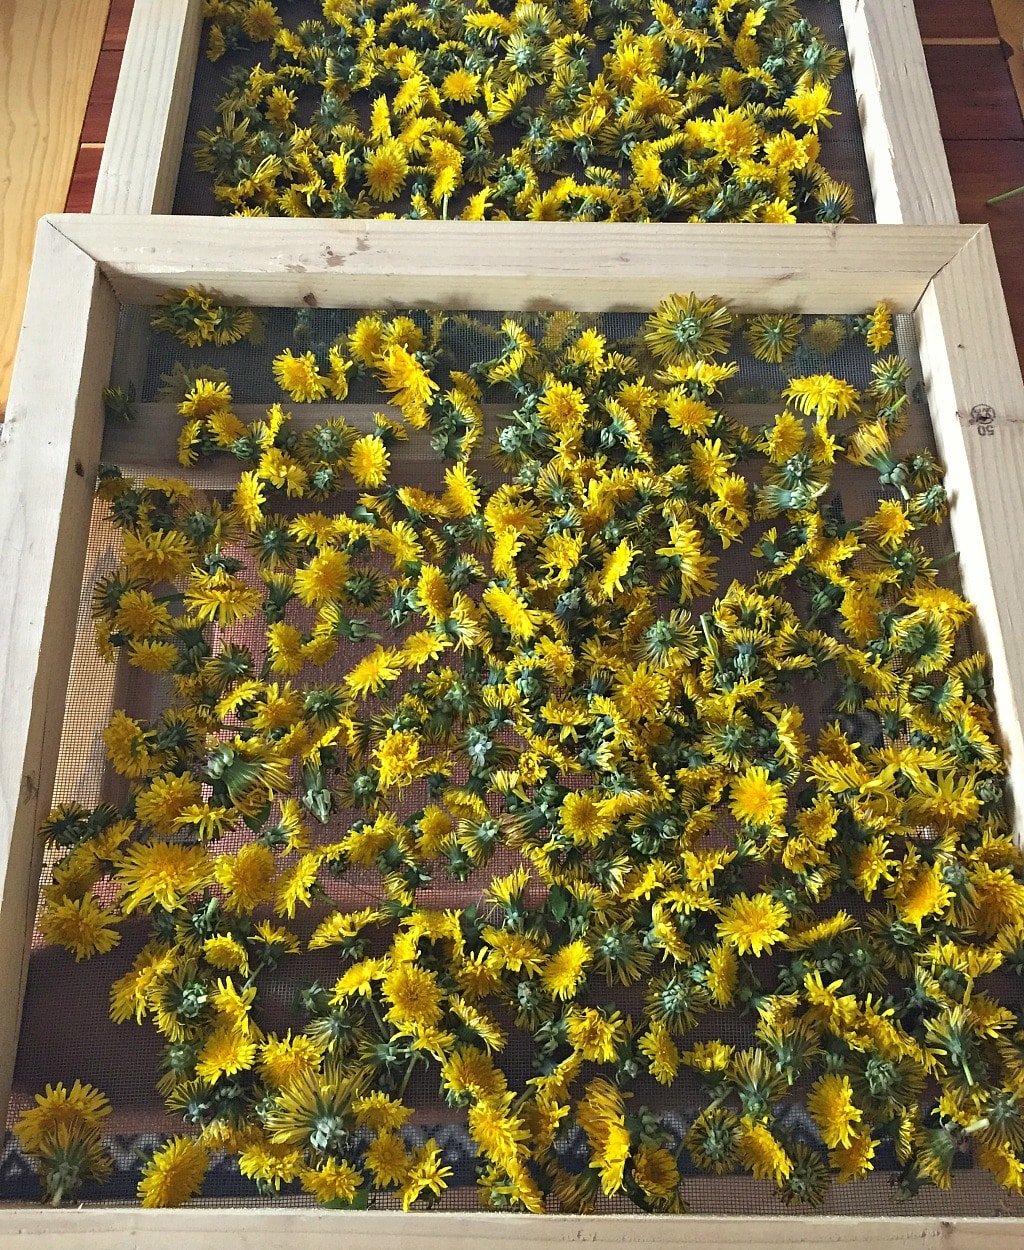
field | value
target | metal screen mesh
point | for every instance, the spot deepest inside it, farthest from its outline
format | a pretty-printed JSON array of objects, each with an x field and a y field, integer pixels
[{"x": 66, "y": 1033}]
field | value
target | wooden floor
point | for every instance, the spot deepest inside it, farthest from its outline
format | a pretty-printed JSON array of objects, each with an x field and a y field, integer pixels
[
  {"x": 56, "y": 124},
  {"x": 48, "y": 49},
  {"x": 976, "y": 93}
]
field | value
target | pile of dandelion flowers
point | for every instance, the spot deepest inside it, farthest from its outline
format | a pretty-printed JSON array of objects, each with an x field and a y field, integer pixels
[
  {"x": 566, "y": 111},
  {"x": 542, "y": 679}
]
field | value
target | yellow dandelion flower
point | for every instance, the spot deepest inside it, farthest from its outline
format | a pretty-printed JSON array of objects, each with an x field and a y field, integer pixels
[
  {"x": 831, "y": 1104},
  {"x": 426, "y": 1174},
  {"x": 224, "y": 1052},
  {"x": 507, "y": 607},
  {"x": 661, "y": 1052},
  {"x": 388, "y": 1160},
  {"x": 385, "y": 169},
  {"x": 57, "y": 1106},
  {"x": 332, "y": 1183},
  {"x": 655, "y": 1171},
  {"x": 752, "y": 924},
  {"x": 822, "y": 395},
  {"x": 808, "y": 106},
  {"x": 565, "y": 970},
  {"x": 284, "y": 1060},
  {"x": 615, "y": 567},
  {"x": 323, "y": 578},
  {"x": 160, "y": 874},
  {"x": 368, "y": 461},
  {"x": 299, "y": 377},
  {"x": 594, "y": 1035},
  {"x": 247, "y": 876},
  {"x": 880, "y": 331},
  {"x": 762, "y": 1154},
  {"x": 414, "y": 995},
  {"x": 174, "y": 1174},
  {"x": 374, "y": 672},
  {"x": 80, "y": 926},
  {"x": 397, "y": 757},
  {"x": 854, "y": 1160},
  {"x": 584, "y": 818},
  {"x": 249, "y": 499},
  {"x": 756, "y": 799}
]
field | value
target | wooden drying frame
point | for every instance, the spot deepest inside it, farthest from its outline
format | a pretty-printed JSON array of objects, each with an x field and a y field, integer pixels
[
  {"x": 906, "y": 160},
  {"x": 86, "y": 268}
]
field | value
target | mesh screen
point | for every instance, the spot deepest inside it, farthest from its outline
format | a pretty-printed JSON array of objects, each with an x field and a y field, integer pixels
[
  {"x": 66, "y": 1033},
  {"x": 842, "y": 145}
]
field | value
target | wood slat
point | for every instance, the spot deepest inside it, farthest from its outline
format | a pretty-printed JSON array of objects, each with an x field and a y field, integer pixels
[
  {"x": 83, "y": 180},
  {"x": 147, "y": 125},
  {"x": 967, "y": 359},
  {"x": 270, "y": 1229},
  {"x": 909, "y": 179},
  {"x": 116, "y": 34},
  {"x": 516, "y": 265},
  {"x": 981, "y": 169},
  {"x": 974, "y": 93},
  {"x": 49, "y": 453},
  {"x": 947, "y": 19},
  {"x": 101, "y": 97}
]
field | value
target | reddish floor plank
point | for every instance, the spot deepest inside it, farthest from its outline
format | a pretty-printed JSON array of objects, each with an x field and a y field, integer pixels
[
  {"x": 101, "y": 100},
  {"x": 117, "y": 25},
  {"x": 83, "y": 180},
  {"x": 950, "y": 19},
  {"x": 974, "y": 93},
  {"x": 982, "y": 168}
]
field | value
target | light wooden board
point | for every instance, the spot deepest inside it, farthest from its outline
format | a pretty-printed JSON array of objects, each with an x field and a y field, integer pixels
[
  {"x": 515, "y": 265},
  {"x": 970, "y": 368},
  {"x": 132, "y": 1229},
  {"x": 147, "y": 126},
  {"x": 49, "y": 452},
  {"x": 48, "y": 51},
  {"x": 910, "y": 179}
]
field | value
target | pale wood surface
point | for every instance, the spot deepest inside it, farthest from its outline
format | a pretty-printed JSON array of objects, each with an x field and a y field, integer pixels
[
  {"x": 968, "y": 359},
  {"x": 516, "y": 265},
  {"x": 49, "y": 452},
  {"x": 48, "y": 51},
  {"x": 906, "y": 160},
  {"x": 132, "y": 1229},
  {"x": 147, "y": 126}
]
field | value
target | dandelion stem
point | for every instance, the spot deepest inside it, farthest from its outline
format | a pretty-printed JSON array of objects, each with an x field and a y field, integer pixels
[
  {"x": 405, "y": 1079},
  {"x": 1006, "y": 195}
]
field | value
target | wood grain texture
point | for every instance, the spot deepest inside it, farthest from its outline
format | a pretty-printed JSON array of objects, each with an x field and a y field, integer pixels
[
  {"x": 947, "y": 19},
  {"x": 116, "y": 33},
  {"x": 101, "y": 96},
  {"x": 974, "y": 93},
  {"x": 49, "y": 452},
  {"x": 909, "y": 179},
  {"x": 981, "y": 169},
  {"x": 146, "y": 133},
  {"x": 83, "y": 180},
  {"x": 48, "y": 50},
  {"x": 968, "y": 363},
  {"x": 270, "y": 1229},
  {"x": 515, "y": 265}
]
